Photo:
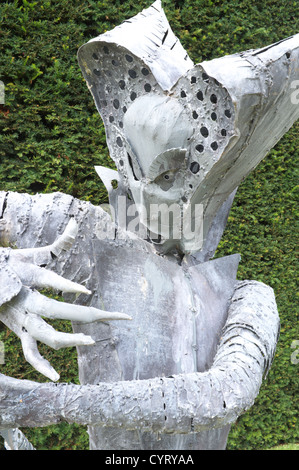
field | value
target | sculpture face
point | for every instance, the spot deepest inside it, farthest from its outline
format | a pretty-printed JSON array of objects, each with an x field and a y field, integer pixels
[
  {"x": 157, "y": 131},
  {"x": 166, "y": 138},
  {"x": 183, "y": 134}
]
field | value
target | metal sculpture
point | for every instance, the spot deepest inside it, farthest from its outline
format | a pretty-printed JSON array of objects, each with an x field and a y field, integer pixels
[{"x": 193, "y": 356}]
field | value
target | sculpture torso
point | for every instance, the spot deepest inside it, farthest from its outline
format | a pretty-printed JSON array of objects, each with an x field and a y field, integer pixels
[
  {"x": 178, "y": 310},
  {"x": 178, "y": 313}
]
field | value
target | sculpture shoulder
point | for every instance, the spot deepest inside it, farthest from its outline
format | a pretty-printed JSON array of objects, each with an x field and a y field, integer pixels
[
  {"x": 28, "y": 221},
  {"x": 36, "y": 220},
  {"x": 9, "y": 281}
]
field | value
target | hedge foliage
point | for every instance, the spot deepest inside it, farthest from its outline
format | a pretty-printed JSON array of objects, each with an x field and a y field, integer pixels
[{"x": 52, "y": 137}]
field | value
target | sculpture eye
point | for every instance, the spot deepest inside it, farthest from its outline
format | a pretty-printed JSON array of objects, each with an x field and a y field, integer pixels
[
  {"x": 166, "y": 164},
  {"x": 168, "y": 176},
  {"x": 166, "y": 180}
]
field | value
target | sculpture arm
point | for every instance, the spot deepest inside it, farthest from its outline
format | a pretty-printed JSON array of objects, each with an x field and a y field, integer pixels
[
  {"x": 177, "y": 404},
  {"x": 22, "y": 306}
]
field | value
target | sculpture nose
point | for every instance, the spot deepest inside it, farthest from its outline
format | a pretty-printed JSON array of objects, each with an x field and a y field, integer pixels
[{"x": 153, "y": 125}]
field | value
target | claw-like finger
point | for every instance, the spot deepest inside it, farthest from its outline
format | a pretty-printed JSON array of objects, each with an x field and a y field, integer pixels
[
  {"x": 41, "y": 331},
  {"x": 49, "y": 279},
  {"x": 43, "y": 255},
  {"x": 14, "y": 318},
  {"x": 65, "y": 241},
  {"x": 41, "y": 305},
  {"x": 34, "y": 358},
  {"x": 34, "y": 276}
]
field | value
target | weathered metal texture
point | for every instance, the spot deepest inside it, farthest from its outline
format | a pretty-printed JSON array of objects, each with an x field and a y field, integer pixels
[
  {"x": 178, "y": 313},
  {"x": 126, "y": 272},
  {"x": 148, "y": 35},
  {"x": 8, "y": 278},
  {"x": 23, "y": 306},
  {"x": 218, "y": 112},
  {"x": 184, "y": 403},
  {"x": 120, "y": 81},
  {"x": 14, "y": 439},
  {"x": 194, "y": 355}
]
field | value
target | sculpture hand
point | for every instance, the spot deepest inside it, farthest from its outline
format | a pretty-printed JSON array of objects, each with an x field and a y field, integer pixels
[{"x": 23, "y": 313}]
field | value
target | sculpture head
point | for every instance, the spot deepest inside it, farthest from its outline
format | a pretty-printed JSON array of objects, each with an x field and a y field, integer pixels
[
  {"x": 183, "y": 135},
  {"x": 164, "y": 135},
  {"x": 156, "y": 133}
]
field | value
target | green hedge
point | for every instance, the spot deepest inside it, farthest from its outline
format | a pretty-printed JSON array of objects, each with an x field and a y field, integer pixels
[{"x": 52, "y": 137}]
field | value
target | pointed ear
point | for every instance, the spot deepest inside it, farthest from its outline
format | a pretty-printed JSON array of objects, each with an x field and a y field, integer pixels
[{"x": 107, "y": 175}]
